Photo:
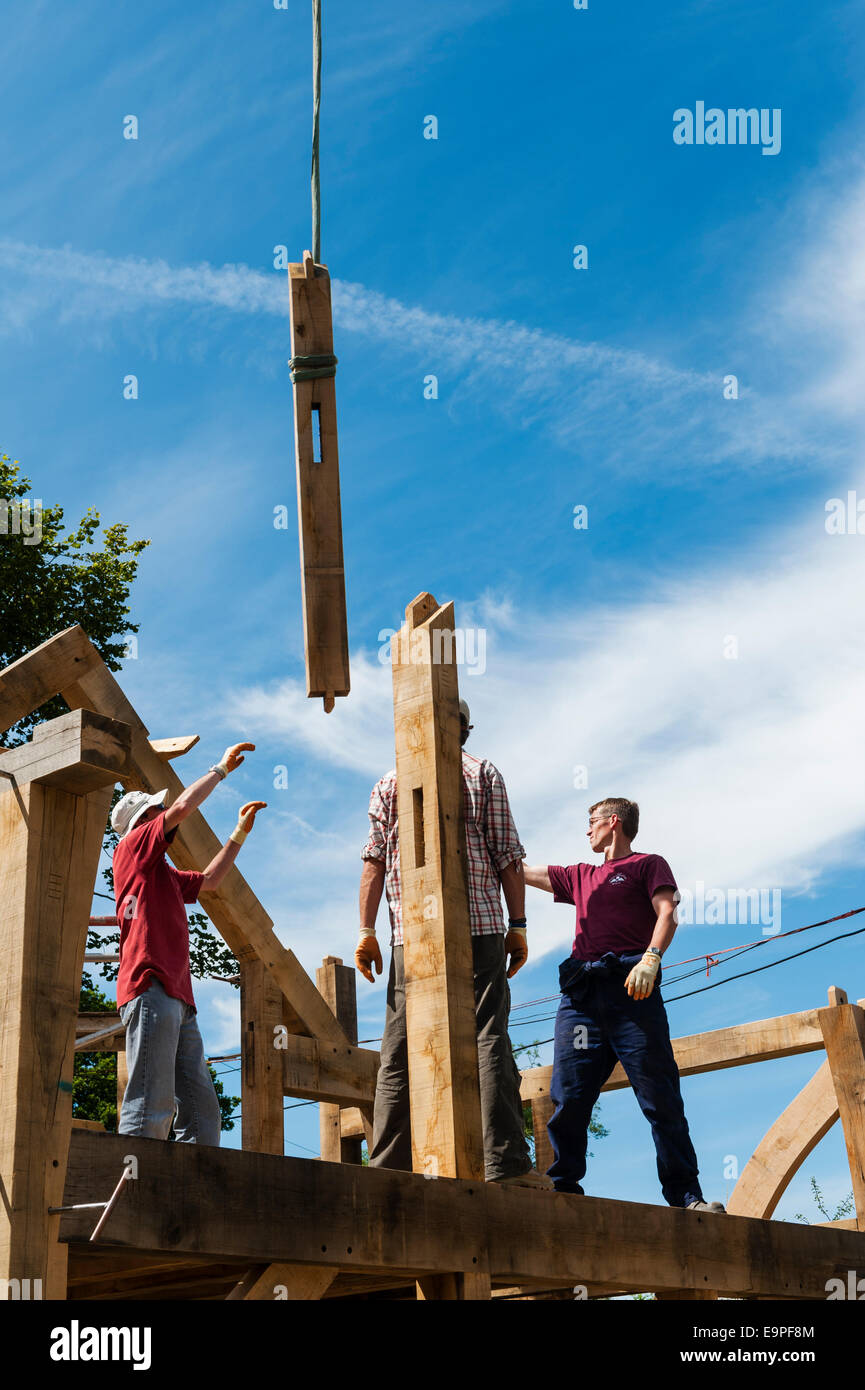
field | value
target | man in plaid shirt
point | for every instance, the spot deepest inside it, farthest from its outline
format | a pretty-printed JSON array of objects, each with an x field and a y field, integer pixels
[{"x": 494, "y": 862}]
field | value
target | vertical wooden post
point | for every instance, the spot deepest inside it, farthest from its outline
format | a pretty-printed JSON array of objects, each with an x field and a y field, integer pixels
[
  {"x": 542, "y": 1112},
  {"x": 325, "y": 627},
  {"x": 843, "y": 1030},
  {"x": 53, "y": 811},
  {"x": 262, "y": 1097},
  {"x": 50, "y": 841},
  {"x": 337, "y": 983},
  {"x": 122, "y": 1075},
  {"x": 446, "y": 1125}
]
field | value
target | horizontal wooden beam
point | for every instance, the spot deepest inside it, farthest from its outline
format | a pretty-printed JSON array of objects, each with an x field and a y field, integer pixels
[
  {"x": 93, "y": 1022},
  {"x": 315, "y": 1070},
  {"x": 761, "y": 1041},
  {"x": 190, "y": 1198},
  {"x": 78, "y": 752}
]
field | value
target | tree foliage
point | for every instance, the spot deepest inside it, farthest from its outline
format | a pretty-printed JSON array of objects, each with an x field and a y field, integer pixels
[
  {"x": 846, "y": 1207},
  {"x": 67, "y": 578}
]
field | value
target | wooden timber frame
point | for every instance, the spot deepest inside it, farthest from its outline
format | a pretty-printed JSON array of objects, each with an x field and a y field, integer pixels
[
  {"x": 204, "y": 1223},
  {"x": 319, "y": 518}
]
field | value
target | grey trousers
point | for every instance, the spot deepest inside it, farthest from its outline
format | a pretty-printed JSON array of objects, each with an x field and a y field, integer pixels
[{"x": 506, "y": 1153}]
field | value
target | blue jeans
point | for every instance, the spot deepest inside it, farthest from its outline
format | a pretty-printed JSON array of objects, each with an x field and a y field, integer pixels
[
  {"x": 167, "y": 1072},
  {"x": 634, "y": 1032}
]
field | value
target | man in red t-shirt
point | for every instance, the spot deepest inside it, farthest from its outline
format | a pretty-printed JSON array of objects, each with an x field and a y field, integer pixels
[
  {"x": 164, "y": 1050},
  {"x": 611, "y": 1009}
]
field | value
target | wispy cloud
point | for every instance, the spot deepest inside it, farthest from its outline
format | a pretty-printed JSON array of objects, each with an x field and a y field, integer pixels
[{"x": 627, "y": 402}]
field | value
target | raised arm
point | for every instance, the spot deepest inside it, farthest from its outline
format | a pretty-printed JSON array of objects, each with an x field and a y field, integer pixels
[
  {"x": 225, "y": 857},
  {"x": 191, "y": 797},
  {"x": 538, "y": 876}
]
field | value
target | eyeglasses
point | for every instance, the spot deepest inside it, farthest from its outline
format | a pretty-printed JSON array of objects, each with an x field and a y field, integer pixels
[{"x": 593, "y": 820}]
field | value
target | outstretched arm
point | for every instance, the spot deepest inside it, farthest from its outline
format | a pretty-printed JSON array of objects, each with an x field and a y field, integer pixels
[{"x": 538, "y": 877}]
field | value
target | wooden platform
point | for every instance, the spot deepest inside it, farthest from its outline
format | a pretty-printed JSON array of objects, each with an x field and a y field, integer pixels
[{"x": 198, "y": 1218}]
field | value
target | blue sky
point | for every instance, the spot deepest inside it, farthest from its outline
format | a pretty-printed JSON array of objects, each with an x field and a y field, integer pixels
[{"x": 604, "y": 647}]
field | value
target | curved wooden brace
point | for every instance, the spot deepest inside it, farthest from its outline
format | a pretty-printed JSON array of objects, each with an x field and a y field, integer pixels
[{"x": 784, "y": 1148}]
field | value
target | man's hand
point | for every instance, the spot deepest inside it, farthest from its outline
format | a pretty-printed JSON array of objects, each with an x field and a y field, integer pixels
[
  {"x": 641, "y": 980},
  {"x": 246, "y": 817},
  {"x": 517, "y": 948},
  {"x": 368, "y": 953},
  {"x": 233, "y": 756}
]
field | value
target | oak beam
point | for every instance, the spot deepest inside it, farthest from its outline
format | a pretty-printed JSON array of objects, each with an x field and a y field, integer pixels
[
  {"x": 283, "y": 1282},
  {"x": 785, "y": 1146},
  {"x": 444, "y": 1090},
  {"x": 739, "y": 1046},
  {"x": 262, "y": 1111},
  {"x": 844, "y": 1031},
  {"x": 447, "y": 1132},
  {"x": 325, "y": 625},
  {"x": 199, "y": 1200},
  {"x": 78, "y": 752},
  {"x": 337, "y": 984},
  {"x": 168, "y": 748},
  {"x": 50, "y": 840}
]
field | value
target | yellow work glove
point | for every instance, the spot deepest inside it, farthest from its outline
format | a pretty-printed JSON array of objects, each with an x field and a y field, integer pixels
[
  {"x": 517, "y": 948},
  {"x": 233, "y": 757},
  {"x": 246, "y": 819},
  {"x": 368, "y": 953},
  {"x": 641, "y": 980}
]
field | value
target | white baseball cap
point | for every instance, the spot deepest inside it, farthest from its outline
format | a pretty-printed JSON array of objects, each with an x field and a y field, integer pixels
[
  {"x": 131, "y": 807},
  {"x": 464, "y": 710}
]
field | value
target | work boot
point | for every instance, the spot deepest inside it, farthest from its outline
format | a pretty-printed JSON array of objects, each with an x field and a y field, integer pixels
[
  {"x": 531, "y": 1178},
  {"x": 706, "y": 1206}
]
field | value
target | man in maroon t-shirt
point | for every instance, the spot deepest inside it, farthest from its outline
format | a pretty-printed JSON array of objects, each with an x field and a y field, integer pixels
[
  {"x": 164, "y": 1051},
  {"x": 611, "y": 1009}
]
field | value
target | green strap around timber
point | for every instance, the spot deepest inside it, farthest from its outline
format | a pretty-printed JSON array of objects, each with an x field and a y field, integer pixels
[{"x": 312, "y": 367}]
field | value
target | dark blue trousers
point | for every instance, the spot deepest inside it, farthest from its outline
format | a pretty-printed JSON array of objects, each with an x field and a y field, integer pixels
[{"x": 598, "y": 1024}]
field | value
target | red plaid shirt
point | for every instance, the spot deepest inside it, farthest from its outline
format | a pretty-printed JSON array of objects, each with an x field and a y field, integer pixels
[{"x": 491, "y": 844}]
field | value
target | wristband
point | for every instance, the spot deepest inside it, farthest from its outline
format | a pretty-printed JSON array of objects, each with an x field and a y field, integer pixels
[
  {"x": 220, "y": 769},
  {"x": 364, "y": 934},
  {"x": 519, "y": 922}
]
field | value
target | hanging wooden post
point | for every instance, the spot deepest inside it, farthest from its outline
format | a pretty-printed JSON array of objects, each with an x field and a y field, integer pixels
[
  {"x": 313, "y": 366},
  {"x": 446, "y": 1125}
]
